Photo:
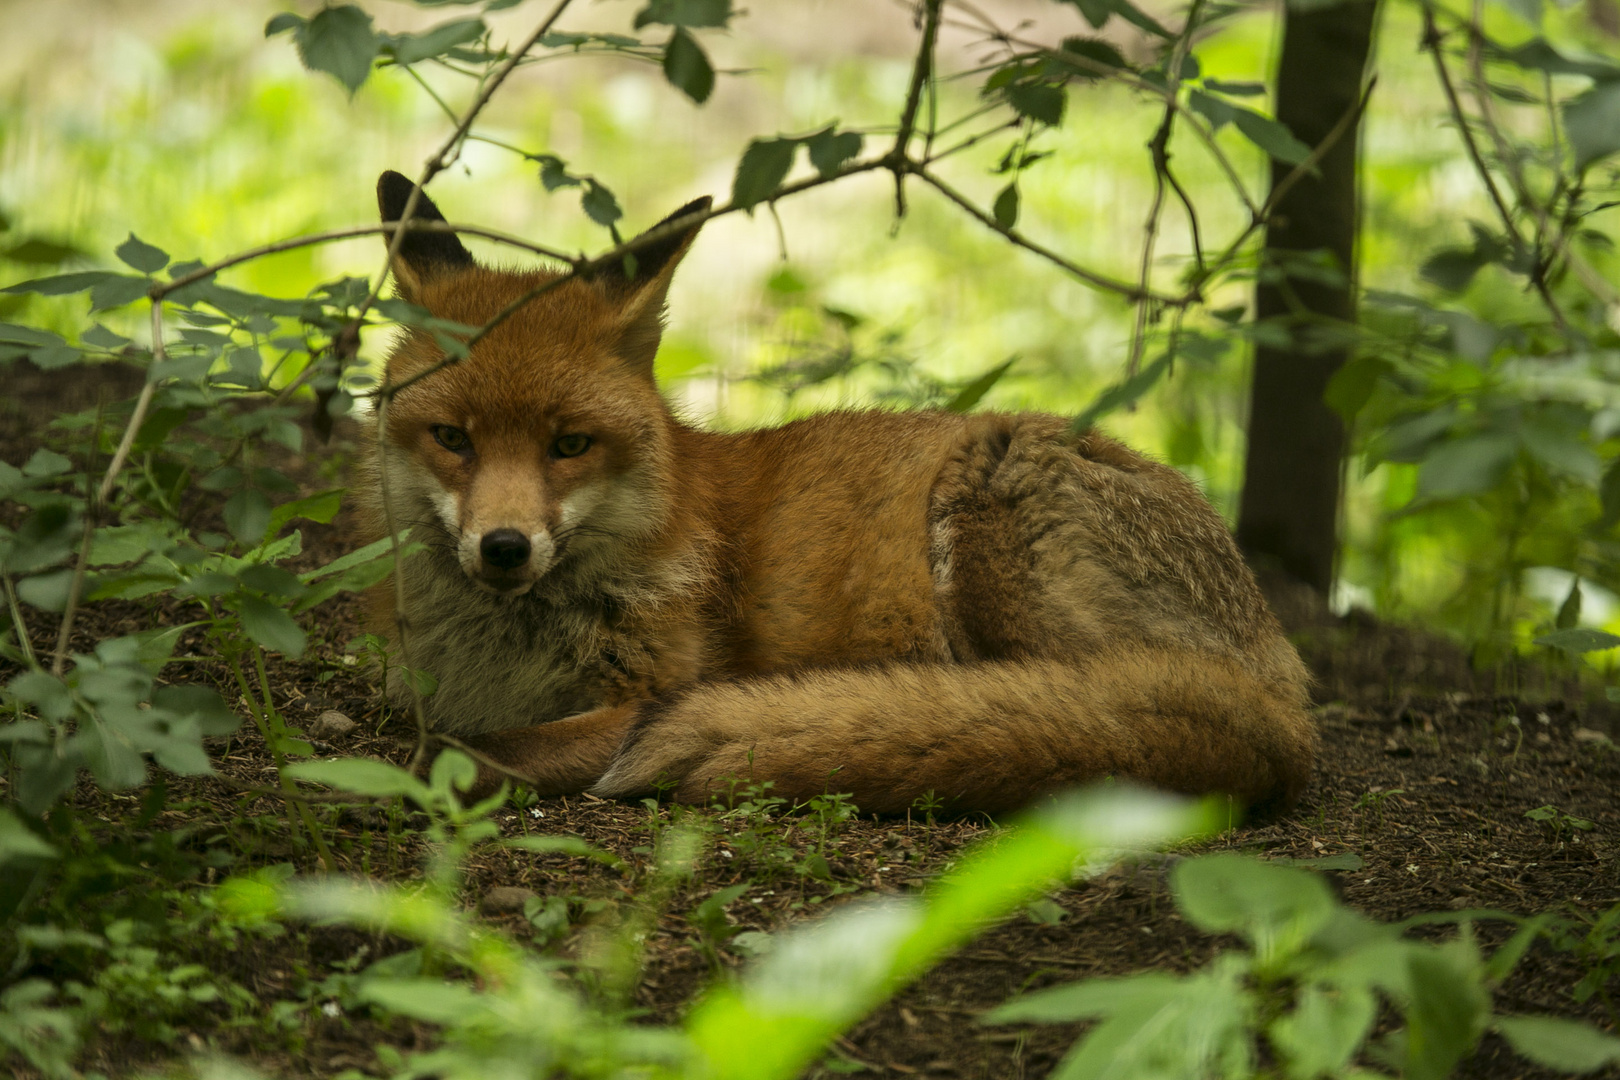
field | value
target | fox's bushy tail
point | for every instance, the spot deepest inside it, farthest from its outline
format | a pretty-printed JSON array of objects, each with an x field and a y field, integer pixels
[{"x": 988, "y": 736}]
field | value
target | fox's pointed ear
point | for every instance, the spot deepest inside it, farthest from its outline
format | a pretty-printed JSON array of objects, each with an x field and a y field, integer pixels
[
  {"x": 642, "y": 283},
  {"x": 422, "y": 256}
]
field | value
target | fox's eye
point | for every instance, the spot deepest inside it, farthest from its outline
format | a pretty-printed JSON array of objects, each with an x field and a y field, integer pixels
[
  {"x": 451, "y": 438},
  {"x": 571, "y": 445}
]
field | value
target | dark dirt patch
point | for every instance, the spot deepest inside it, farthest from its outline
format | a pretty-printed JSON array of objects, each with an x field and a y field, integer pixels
[{"x": 1422, "y": 775}]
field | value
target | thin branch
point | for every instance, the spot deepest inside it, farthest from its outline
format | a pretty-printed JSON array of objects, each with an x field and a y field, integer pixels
[
  {"x": 1263, "y": 214},
  {"x": 1159, "y": 150},
  {"x": 1090, "y": 277},
  {"x": 921, "y": 69},
  {"x": 163, "y": 289}
]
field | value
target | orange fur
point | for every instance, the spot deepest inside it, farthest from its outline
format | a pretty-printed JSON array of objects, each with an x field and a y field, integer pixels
[{"x": 986, "y": 607}]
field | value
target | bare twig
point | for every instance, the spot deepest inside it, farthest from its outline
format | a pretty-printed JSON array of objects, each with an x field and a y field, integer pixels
[
  {"x": 1090, "y": 277},
  {"x": 388, "y": 228},
  {"x": 921, "y": 70}
]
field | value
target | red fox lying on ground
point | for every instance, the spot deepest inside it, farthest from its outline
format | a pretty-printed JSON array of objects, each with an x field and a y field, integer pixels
[{"x": 986, "y": 607}]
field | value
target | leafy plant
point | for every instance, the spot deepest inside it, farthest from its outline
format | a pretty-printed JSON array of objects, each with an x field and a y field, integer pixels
[{"x": 1306, "y": 992}]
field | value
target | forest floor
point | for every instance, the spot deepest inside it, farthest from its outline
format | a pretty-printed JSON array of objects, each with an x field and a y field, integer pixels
[{"x": 1424, "y": 777}]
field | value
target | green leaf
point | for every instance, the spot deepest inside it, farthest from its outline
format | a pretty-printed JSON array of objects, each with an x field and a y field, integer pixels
[
  {"x": 1466, "y": 466},
  {"x": 1592, "y": 122},
  {"x": 1005, "y": 210},
  {"x": 1352, "y": 386},
  {"x": 65, "y": 284},
  {"x": 830, "y": 149},
  {"x": 1277, "y": 908},
  {"x": 19, "y": 843},
  {"x": 280, "y": 24},
  {"x": 702, "y": 13},
  {"x": 270, "y": 626},
  {"x": 1579, "y": 639},
  {"x": 42, "y": 252},
  {"x": 1038, "y": 101},
  {"x": 687, "y": 67},
  {"x": 321, "y": 507},
  {"x": 761, "y": 170},
  {"x": 247, "y": 515},
  {"x": 1447, "y": 1012},
  {"x": 1557, "y": 446},
  {"x": 432, "y": 1000},
  {"x": 969, "y": 395},
  {"x": 410, "y": 48},
  {"x": 1236, "y": 89},
  {"x": 1088, "y": 1000},
  {"x": 362, "y": 776},
  {"x": 341, "y": 42},
  {"x": 1562, "y": 1045},
  {"x": 46, "y": 463},
  {"x": 1325, "y": 1029},
  {"x": 1101, "y": 56},
  {"x": 565, "y": 845},
  {"x": 273, "y": 580},
  {"x": 116, "y": 291},
  {"x": 1097, "y": 13},
  {"x": 142, "y": 256},
  {"x": 1121, "y": 394},
  {"x": 599, "y": 203},
  {"x": 1269, "y": 135}
]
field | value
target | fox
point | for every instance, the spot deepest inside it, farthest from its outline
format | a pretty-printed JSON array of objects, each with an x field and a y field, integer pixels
[{"x": 975, "y": 608}]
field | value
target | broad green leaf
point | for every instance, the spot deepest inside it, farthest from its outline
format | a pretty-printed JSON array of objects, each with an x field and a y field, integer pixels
[
  {"x": 1540, "y": 56},
  {"x": 1558, "y": 447},
  {"x": 279, "y": 583},
  {"x": 1325, "y": 1029},
  {"x": 201, "y": 704},
  {"x": 409, "y": 48},
  {"x": 362, "y": 776},
  {"x": 340, "y": 41},
  {"x": 452, "y": 771},
  {"x": 600, "y": 206},
  {"x": 1592, "y": 122},
  {"x": 377, "y": 549},
  {"x": 1089, "y": 999},
  {"x": 1352, "y": 386},
  {"x": 1269, "y": 135},
  {"x": 1086, "y": 58},
  {"x": 45, "y": 463},
  {"x": 1038, "y": 101},
  {"x": 247, "y": 515},
  {"x": 818, "y": 980},
  {"x": 142, "y": 256},
  {"x": 271, "y": 627},
  {"x": 701, "y": 13},
  {"x": 830, "y": 149},
  {"x": 970, "y": 395},
  {"x": 761, "y": 170},
  {"x": 1446, "y": 1015},
  {"x": 565, "y": 845},
  {"x": 1121, "y": 394},
  {"x": 1562, "y": 1045},
  {"x": 1097, "y": 13},
  {"x": 117, "y": 291},
  {"x": 48, "y": 591},
  {"x": 66, "y": 284},
  {"x": 1579, "y": 639},
  {"x": 687, "y": 67},
  {"x": 432, "y": 1000},
  {"x": 1005, "y": 210},
  {"x": 1466, "y": 466},
  {"x": 41, "y": 252},
  {"x": 321, "y": 507},
  {"x": 18, "y": 842},
  {"x": 1277, "y": 908}
]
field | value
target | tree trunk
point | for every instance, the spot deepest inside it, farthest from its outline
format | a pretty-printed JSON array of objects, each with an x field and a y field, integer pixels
[{"x": 1289, "y": 510}]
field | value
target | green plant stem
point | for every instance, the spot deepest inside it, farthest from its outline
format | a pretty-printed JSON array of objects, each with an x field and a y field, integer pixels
[{"x": 267, "y": 723}]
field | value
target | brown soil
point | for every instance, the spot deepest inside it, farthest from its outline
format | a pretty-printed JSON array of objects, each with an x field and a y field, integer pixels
[{"x": 1422, "y": 775}]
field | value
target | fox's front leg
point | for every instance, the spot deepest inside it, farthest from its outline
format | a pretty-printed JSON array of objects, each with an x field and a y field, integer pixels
[{"x": 560, "y": 758}]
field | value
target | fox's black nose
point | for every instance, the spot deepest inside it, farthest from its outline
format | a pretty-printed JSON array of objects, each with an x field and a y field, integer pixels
[{"x": 505, "y": 549}]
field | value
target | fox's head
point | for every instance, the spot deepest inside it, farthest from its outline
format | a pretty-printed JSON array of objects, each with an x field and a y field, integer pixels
[{"x": 550, "y": 435}]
